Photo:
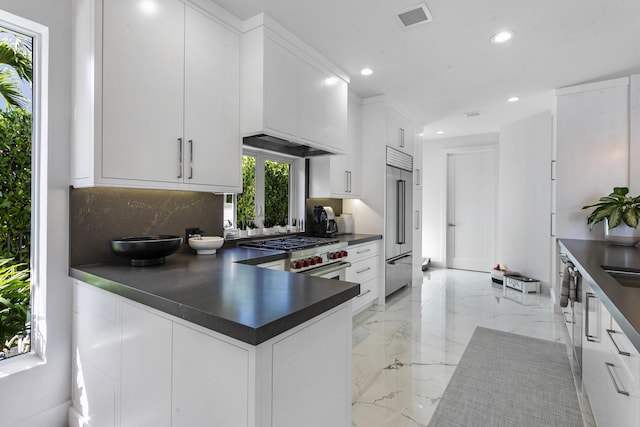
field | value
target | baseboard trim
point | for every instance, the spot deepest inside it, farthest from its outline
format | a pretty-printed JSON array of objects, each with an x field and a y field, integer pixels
[{"x": 55, "y": 416}]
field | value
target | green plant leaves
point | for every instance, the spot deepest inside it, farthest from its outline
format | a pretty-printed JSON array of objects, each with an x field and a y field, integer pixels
[{"x": 617, "y": 207}]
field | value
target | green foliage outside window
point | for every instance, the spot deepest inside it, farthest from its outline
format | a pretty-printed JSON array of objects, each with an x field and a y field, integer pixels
[
  {"x": 246, "y": 201},
  {"x": 276, "y": 193},
  {"x": 15, "y": 183}
]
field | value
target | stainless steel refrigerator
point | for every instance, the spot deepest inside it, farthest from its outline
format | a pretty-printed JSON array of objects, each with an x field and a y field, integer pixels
[{"x": 398, "y": 218}]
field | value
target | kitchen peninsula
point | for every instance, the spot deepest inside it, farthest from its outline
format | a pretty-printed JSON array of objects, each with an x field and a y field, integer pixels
[
  {"x": 213, "y": 338},
  {"x": 608, "y": 341}
]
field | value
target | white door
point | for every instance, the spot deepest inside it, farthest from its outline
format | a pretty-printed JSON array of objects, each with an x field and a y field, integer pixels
[{"x": 470, "y": 210}]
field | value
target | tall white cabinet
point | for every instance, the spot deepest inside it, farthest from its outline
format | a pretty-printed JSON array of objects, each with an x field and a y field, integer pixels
[
  {"x": 156, "y": 96},
  {"x": 592, "y": 151}
]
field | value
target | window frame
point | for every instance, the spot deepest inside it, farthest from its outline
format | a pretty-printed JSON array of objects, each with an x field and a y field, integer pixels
[
  {"x": 261, "y": 156},
  {"x": 39, "y": 193}
]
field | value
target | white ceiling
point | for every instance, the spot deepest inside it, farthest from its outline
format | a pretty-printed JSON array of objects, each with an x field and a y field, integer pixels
[{"x": 438, "y": 71}]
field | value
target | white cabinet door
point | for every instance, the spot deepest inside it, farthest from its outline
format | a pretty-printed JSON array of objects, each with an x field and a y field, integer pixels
[
  {"x": 280, "y": 86},
  {"x": 143, "y": 77},
  {"x": 399, "y": 131},
  {"x": 310, "y": 384},
  {"x": 146, "y": 368},
  {"x": 335, "y": 109},
  {"x": 210, "y": 381},
  {"x": 354, "y": 146},
  {"x": 311, "y": 82},
  {"x": 212, "y": 103}
]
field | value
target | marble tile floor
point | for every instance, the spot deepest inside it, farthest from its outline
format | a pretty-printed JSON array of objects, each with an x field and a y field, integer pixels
[{"x": 404, "y": 353}]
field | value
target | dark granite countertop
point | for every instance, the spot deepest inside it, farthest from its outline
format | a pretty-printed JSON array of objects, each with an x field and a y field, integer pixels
[
  {"x": 622, "y": 302},
  {"x": 356, "y": 239},
  {"x": 224, "y": 292}
]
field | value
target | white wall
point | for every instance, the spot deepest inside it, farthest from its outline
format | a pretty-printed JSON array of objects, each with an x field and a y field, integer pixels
[
  {"x": 524, "y": 231},
  {"x": 434, "y": 190},
  {"x": 40, "y": 396}
]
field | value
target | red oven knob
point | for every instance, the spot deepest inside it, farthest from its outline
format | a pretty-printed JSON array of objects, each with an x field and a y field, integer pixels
[
  {"x": 312, "y": 261},
  {"x": 305, "y": 263},
  {"x": 345, "y": 253},
  {"x": 296, "y": 264},
  {"x": 339, "y": 254},
  {"x": 332, "y": 255},
  {"x": 319, "y": 260}
]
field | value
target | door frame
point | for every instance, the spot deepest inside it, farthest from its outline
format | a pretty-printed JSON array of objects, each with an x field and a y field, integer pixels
[{"x": 446, "y": 153}]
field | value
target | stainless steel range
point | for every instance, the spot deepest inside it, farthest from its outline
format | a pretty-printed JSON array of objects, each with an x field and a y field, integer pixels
[{"x": 315, "y": 256}]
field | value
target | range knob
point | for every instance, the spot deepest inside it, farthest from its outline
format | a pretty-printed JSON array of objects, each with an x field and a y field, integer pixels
[
  {"x": 296, "y": 264},
  {"x": 319, "y": 260},
  {"x": 305, "y": 263},
  {"x": 345, "y": 254},
  {"x": 312, "y": 261}
]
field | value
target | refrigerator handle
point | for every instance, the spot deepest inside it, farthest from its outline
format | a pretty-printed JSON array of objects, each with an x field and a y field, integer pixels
[{"x": 400, "y": 220}]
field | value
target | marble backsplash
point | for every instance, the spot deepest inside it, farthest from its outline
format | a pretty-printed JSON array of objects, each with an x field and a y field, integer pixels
[{"x": 98, "y": 215}]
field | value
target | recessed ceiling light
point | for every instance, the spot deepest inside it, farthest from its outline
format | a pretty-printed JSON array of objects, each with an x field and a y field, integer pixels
[
  {"x": 421, "y": 134},
  {"x": 148, "y": 6},
  {"x": 366, "y": 71},
  {"x": 502, "y": 36},
  {"x": 472, "y": 113},
  {"x": 513, "y": 99},
  {"x": 440, "y": 132}
]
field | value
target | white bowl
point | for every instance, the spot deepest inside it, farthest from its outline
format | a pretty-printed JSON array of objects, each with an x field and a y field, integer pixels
[{"x": 206, "y": 245}]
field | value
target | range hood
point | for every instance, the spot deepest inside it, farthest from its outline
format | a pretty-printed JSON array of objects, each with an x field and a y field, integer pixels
[{"x": 279, "y": 145}]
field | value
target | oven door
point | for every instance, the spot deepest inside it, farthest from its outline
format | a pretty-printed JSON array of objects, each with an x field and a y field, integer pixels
[{"x": 332, "y": 271}]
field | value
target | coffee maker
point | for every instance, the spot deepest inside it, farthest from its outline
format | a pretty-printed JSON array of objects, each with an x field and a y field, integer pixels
[{"x": 324, "y": 222}]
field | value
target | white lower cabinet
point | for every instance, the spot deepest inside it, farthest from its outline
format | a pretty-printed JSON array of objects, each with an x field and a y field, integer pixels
[
  {"x": 365, "y": 270},
  {"x": 614, "y": 392},
  {"x": 136, "y": 366},
  {"x": 145, "y": 383},
  {"x": 210, "y": 380}
]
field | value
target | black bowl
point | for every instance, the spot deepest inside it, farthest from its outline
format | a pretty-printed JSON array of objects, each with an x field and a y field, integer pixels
[{"x": 146, "y": 250}]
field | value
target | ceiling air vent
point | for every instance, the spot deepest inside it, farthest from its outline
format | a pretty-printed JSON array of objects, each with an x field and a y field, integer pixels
[
  {"x": 472, "y": 114},
  {"x": 418, "y": 14}
]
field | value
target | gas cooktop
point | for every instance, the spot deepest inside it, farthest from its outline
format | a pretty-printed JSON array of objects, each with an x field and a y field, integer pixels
[{"x": 290, "y": 244}]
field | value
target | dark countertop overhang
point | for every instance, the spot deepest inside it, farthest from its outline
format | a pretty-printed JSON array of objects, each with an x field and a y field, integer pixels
[
  {"x": 224, "y": 292},
  {"x": 622, "y": 302},
  {"x": 356, "y": 239}
]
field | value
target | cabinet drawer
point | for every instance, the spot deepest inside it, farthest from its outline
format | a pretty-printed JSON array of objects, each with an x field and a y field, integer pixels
[
  {"x": 358, "y": 252},
  {"x": 624, "y": 352},
  {"x": 361, "y": 271},
  {"x": 368, "y": 293}
]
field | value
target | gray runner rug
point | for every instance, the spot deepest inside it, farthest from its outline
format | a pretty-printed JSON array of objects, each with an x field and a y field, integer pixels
[{"x": 505, "y": 379}]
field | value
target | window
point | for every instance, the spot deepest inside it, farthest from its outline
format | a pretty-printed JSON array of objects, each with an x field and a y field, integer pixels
[
  {"x": 267, "y": 197},
  {"x": 15, "y": 191},
  {"x": 23, "y": 188}
]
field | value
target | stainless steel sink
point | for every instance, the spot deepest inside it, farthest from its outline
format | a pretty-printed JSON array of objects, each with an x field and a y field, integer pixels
[{"x": 626, "y": 278}]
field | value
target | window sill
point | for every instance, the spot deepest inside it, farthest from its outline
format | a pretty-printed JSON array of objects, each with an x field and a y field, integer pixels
[{"x": 19, "y": 363}]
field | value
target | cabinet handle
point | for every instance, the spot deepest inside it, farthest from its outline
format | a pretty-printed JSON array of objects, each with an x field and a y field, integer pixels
[
  {"x": 180, "y": 157},
  {"x": 363, "y": 294},
  {"x": 346, "y": 181},
  {"x": 587, "y": 333},
  {"x": 418, "y": 177},
  {"x": 362, "y": 271},
  {"x": 613, "y": 379},
  {"x": 364, "y": 251},
  {"x": 350, "y": 182},
  {"x": 191, "y": 159},
  {"x": 620, "y": 352},
  {"x": 417, "y": 220},
  {"x": 564, "y": 313},
  {"x": 401, "y": 137}
]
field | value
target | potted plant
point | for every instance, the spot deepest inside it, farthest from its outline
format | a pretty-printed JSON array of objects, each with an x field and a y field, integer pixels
[{"x": 620, "y": 213}]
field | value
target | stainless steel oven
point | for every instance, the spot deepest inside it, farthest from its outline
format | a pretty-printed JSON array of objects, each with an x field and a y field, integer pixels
[
  {"x": 314, "y": 256},
  {"x": 337, "y": 271}
]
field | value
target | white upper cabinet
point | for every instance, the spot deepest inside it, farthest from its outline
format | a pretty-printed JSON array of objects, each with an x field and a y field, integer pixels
[
  {"x": 399, "y": 131},
  {"x": 340, "y": 176},
  {"x": 156, "y": 98},
  {"x": 289, "y": 90},
  {"x": 280, "y": 82}
]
